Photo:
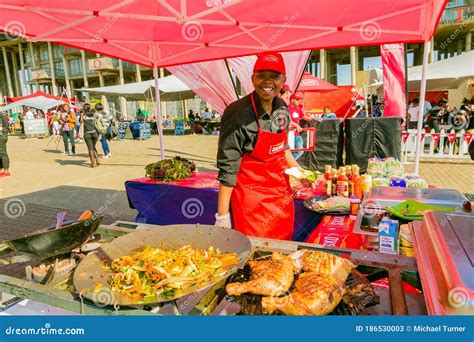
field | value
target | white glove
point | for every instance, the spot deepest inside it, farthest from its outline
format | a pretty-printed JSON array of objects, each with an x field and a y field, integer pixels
[{"x": 223, "y": 221}]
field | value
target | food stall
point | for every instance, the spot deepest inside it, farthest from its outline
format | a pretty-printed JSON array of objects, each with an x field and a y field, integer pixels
[{"x": 389, "y": 254}]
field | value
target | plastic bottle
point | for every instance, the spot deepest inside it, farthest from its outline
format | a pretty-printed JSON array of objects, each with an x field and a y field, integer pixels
[
  {"x": 328, "y": 180},
  {"x": 356, "y": 180},
  {"x": 334, "y": 182},
  {"x": 343, "y": 184},
  {"x": 350, "y": 183}
]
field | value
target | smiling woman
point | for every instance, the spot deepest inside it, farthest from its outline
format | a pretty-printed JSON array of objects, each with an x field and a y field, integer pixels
[{"x": 253, "y": 155}]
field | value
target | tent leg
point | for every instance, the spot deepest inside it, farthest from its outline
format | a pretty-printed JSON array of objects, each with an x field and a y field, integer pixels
[
  {"x": 420, "y": 126},
  {"x": 159, "y": 119}
]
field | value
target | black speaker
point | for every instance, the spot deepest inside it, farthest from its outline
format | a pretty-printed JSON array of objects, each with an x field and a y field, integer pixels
[{"x": 372, "y": 137}]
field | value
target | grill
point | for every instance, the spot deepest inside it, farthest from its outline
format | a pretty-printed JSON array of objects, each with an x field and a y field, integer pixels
[
  {"x": 374, "y": 288},
  {"x": 359, "y": 293}
]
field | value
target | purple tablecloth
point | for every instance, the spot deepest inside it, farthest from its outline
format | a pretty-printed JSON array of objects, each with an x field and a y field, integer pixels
[{"x": 166, "y": 204}]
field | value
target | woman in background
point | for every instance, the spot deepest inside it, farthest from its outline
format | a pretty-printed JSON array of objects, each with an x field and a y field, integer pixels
[
  {"x": 107, "y": 120},
  {"x": 91, "y": 136}
]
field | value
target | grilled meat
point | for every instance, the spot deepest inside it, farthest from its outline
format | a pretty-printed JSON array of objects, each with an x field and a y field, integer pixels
[
  {"x": 314, "y": 294},
  {"x": 322, "y": 263},
  {"x": 269, "y": 277}
]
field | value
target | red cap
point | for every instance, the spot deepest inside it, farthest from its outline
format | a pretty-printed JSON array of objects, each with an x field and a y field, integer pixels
[
  {"x": 286, "y": 87},
  {"x": 270, "y": 61},
  {"x": 295, "y": 96}
]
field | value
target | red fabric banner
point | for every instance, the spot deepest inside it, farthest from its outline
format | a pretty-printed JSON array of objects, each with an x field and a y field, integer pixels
[
  {"x": 209, "y": 80},
  {"x": 436, "y": 137},
  {"x": 451, "y": 137},
  {"x": 468, "y": 137},
  {"x": 393, "y": 62},
  {"x": 405, "y": 136}
]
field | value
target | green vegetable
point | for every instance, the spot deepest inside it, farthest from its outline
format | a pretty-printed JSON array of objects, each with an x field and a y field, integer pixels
[
  {"x": 393, "y": 167},
  {"x": 169, "y": 170},
  {"x": 376, "y": 167},
  {"x": 419, "y": 183}
]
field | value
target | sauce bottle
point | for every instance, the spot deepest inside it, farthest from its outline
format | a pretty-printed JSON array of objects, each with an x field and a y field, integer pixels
[
  {"x": 328, "y": 180},
  {"x": 357, "y": 187},
  {"x": 334, "y": 182},
  {"x": 343, "y": 184}
]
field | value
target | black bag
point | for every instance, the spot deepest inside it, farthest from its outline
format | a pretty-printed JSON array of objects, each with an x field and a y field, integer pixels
[{"x": 111, "y": 132}]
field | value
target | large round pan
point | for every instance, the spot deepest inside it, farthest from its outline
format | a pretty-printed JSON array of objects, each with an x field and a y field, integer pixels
[
  {"x": 91, "y": 271},
  {"x": 54, "y": 241}
]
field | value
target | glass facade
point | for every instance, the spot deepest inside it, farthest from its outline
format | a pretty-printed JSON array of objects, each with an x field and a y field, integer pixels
[{"x": 75, "y": 66}]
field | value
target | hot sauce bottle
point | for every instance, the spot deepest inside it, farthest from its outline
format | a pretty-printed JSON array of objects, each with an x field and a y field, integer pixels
[
  {"x": 334, "y": 182},
  {"x": 343, "y": 184}
]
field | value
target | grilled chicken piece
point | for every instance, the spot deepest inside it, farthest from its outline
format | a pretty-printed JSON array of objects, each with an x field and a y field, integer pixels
[
  {"x": 269, "y": 277},
  {"x": 314, "y": 294},
  {"x": 322, "y": 263}
]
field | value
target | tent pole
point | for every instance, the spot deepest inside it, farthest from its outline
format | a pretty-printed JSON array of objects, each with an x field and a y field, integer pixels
[
  {"x": 420, "y": 125},
  {"x": 158, "y": 112}
]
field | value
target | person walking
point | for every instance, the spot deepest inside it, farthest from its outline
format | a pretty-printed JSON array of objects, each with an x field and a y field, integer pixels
[
  {"x": 68, "y": 122},
  {"x": 3, "y": 146},
  {"x": 91, "y": 136},
  {"x": 108, "y": 121}
]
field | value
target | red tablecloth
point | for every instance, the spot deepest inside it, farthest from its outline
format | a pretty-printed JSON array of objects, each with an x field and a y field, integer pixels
[{"x": 198, "y": 180}]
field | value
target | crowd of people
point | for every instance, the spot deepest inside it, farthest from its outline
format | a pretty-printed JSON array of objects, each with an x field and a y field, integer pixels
[
  {"x": 441, "y": 113},
  {"x": 74, "y": 124}
]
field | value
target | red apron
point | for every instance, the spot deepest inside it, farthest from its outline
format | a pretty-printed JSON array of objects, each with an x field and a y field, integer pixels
[{"x": 262, "y": 202}]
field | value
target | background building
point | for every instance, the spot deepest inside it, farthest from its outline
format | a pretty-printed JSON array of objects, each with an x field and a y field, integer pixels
[{"x": 26, "y": 67}]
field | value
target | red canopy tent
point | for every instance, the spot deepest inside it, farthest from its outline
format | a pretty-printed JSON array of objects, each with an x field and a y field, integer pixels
[
  {"x": 36, "y": 94},
  {"x": 314, "y": 84},
  {"x": 172, "y": 32}
]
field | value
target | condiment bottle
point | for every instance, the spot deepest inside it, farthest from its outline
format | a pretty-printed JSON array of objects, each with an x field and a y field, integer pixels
[
  {"x": 334, "y": 182},
  {"x": 357, "y": 188},
  {"x": 343, "y": 184},
  {"x": 328, "y": 180}
]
